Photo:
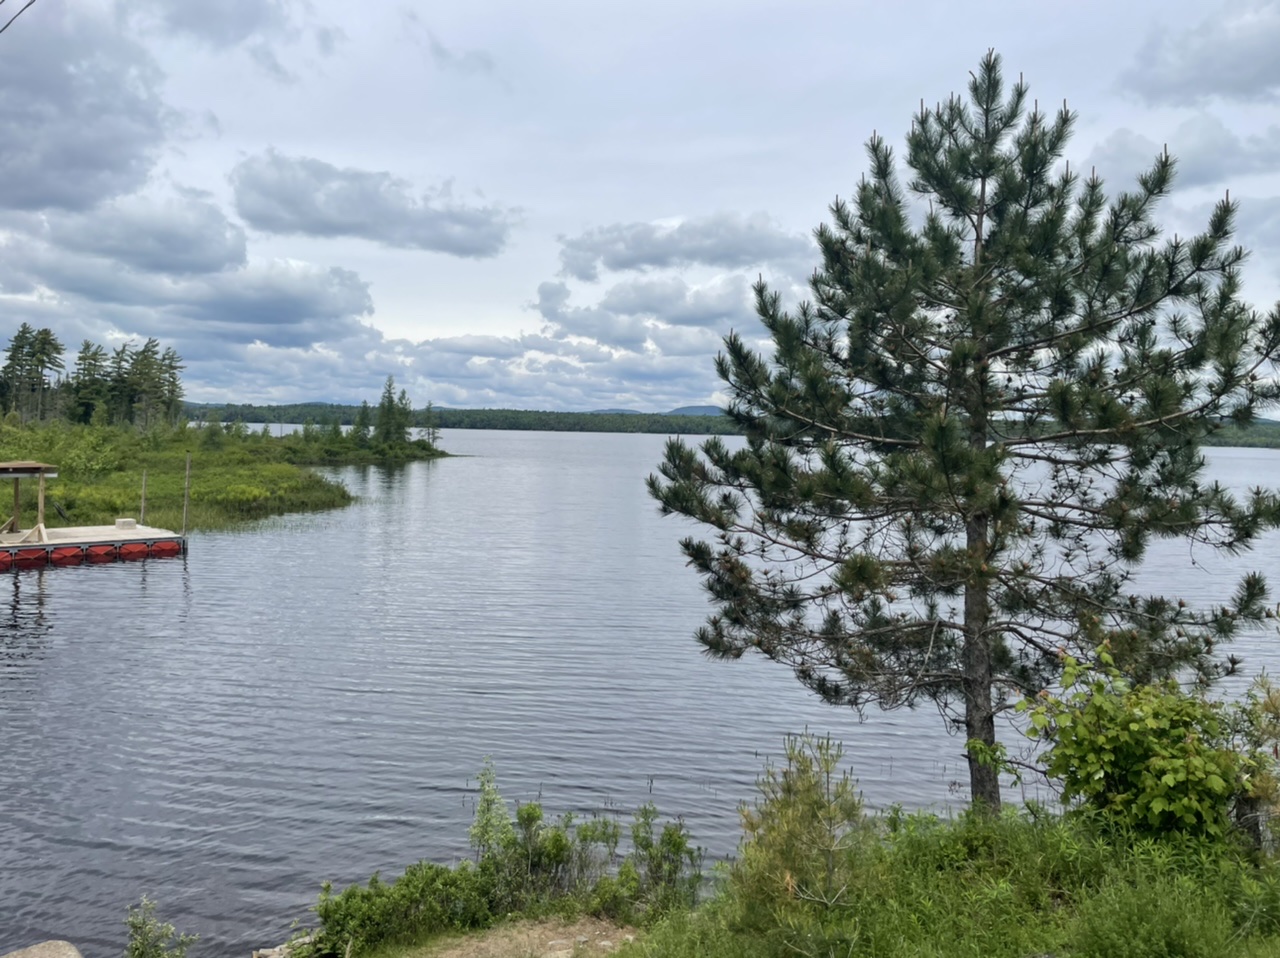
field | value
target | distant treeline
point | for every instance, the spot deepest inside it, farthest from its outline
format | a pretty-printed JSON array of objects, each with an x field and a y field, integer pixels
[
  {"x": 324, "y": 413},
  {"x": 1265, "y": 433},
  {"x": 130, "y": 385}
]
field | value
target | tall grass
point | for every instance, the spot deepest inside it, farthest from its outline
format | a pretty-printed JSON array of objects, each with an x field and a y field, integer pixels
[
  {"x": 1027, "y": 883},
  {"x": 100, "y": 472}
]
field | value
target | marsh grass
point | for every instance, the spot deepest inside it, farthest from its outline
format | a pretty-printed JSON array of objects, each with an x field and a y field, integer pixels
[{"x": 235, "y": 479}]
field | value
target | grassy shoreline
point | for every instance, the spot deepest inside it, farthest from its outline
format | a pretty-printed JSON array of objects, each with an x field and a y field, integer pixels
[
  {"x": 236, "y": 476},
  {"x": 816, "y": 876}
]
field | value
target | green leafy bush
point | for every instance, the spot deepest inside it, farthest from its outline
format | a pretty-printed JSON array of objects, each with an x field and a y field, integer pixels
[
  {"x": 529, "y": 867},
  {"x": 1152, "y": 757},
  {"x": 426, "y": 899}
]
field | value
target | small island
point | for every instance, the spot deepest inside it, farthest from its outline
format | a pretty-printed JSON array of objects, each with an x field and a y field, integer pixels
[{"x": 116, "y": 427}]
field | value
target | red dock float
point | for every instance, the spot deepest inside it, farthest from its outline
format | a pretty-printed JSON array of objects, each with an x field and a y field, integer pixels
[
  {"x": 30, "y": 558},
  {"x": 39, "y": 546},
  {"x": 59, "y": 552},
  {"x": 166, "y": 548},
  {"x": 66, "y": 555}
]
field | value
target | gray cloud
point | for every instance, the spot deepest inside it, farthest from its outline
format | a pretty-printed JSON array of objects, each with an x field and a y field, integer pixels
[
  {"x": 719, "y": 304},
  {"x": 463, "y": 62},
  {"x": 1207, "y": 152},
  {"x": 1260, "y": 228},
  {"x": 1230, "y": 54},
  {"x": 591, "y": 322},
  {"x": 299, "y": 195},
  {"x": 183, "y": 234},
  {"x": 91, "y": 282},
  {"x": 725, "y": 240},
  {"x": 328, "y": 39},
  {"x": 659, "y": 313},
  {"x": 466, "y": 62},
  {"x": 263, "y": 54},
  {"x": 81, "y": 119},
  {"x": 226, "y": 23}
]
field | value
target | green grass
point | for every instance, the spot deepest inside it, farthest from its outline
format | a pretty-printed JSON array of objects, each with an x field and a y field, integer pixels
[
  {"x": 1010, "y": 888},
  {"x": 235, "y": 478}
]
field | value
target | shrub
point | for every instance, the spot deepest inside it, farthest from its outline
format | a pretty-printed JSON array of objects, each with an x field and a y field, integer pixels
[
  {"x": 529, "y": 867},
  {"x": 426, "y": 899},
  {"x": 1152, "y": 757},
  {"x": 151, "y": 938},
  {"x": 1167, "y": 916}
]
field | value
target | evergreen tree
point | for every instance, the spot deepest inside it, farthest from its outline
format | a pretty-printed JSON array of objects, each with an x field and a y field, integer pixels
[
  {"x": 18, "y": 370},
  {"x": 170, "y": 385},
  {"x": 430, "y": 424},
  {"x": 361, "y": 425},
  {"x": 384, "y": 417},
  {"x": 45, "y": 357},
  {"x": 89, "y": 385},
  {"x": 119, "y": 384},
  {"x": 393, "y": 417},
  {"x": 404, "y": 416},
  {"x": 147, "y": 385},
  {"x": 963, "y": 444}
]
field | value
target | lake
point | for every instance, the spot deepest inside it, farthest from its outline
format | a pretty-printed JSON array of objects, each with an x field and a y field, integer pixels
[{"x": 312, "y": 697}]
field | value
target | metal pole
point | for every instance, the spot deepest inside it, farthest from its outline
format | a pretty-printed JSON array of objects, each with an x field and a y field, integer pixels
[
  {"x": 40, "y": 501},
  {"x": 142, "y": 509},
  {"x": 186, "y": 497},
  {"x": 17, "y": 507}
]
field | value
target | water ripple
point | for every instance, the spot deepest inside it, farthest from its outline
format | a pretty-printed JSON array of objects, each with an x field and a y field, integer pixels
[{"x": 311, "y": 699}]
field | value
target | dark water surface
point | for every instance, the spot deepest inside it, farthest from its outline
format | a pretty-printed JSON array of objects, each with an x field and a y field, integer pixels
[{"x": 311, "y": 699}]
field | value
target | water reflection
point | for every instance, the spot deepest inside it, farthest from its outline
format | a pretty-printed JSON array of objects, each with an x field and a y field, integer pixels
[{"x": 26, "y": 628}]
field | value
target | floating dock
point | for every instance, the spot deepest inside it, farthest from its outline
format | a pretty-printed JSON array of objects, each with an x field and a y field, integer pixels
[{"x": 39, "y": 546}]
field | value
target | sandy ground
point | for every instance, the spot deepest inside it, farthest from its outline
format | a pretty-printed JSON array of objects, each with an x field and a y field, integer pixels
[{"x": 532, "y": 939}]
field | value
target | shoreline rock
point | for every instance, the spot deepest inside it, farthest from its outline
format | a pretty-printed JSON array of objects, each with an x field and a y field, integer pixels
[{"x": 54, "y": 948}]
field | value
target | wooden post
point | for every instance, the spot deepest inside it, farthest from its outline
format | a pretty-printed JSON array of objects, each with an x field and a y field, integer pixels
[
  {"x": 186, "y": 497},
  {"x": 17, "y": 506},
  {"x": 142, "y": 509},
  {"x": 40, "y": 500}
]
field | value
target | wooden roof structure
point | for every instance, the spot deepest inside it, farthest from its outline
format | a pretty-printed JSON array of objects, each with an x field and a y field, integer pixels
[
  {"x": 27, "y": 470},
  {"x": 17, "y": 471}
]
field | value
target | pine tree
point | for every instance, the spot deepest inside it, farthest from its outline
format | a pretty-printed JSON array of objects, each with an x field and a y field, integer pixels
[
  {"x": 430, "y": 425},
  {"x": 45, "y": 357},
  {"x": 18, "y": 370},
  {"x": 963, "y": 444},
  {"x": 384, "y": 417},
  {"x": 404, "y": 417},
  {"x": 361, "y": 425},
  {"x": 120, "y": 392},
  {"x": 170, "y": 385},
  {"x": 89, "y": 384}
]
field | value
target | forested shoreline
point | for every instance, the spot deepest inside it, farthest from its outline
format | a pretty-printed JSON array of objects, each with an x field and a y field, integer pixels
[
  {"x": 438, "y": 418},
  {"x": 115, "y": 417}
]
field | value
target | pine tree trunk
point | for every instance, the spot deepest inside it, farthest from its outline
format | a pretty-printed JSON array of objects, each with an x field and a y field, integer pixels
[{"x": 979, "y": 715}]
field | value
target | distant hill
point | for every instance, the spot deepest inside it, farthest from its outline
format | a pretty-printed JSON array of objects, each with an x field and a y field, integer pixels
[
  {"x": 697, "y": 411},
  {"x": 615, "y": 412}
]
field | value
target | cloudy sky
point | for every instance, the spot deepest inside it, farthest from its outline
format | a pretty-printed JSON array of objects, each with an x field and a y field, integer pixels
[{"x": 552, "y": 205}]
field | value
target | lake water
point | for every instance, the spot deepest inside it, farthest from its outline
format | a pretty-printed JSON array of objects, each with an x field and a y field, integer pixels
[{"x": 311, "y": 698}]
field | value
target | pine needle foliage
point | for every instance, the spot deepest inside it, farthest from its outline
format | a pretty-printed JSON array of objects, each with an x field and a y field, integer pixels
[{"x": 963, "y": 443}]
